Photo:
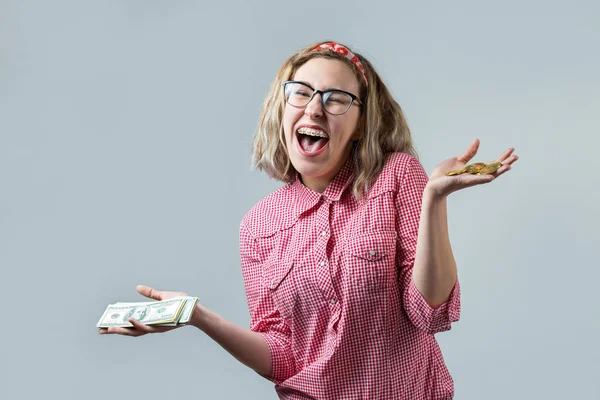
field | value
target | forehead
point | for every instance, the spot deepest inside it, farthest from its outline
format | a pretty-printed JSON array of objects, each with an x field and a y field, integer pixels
[{"x": 324, "y": 73}]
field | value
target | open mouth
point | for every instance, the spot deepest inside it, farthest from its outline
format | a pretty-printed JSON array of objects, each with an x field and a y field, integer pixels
[{"x": 311, "y": 140}]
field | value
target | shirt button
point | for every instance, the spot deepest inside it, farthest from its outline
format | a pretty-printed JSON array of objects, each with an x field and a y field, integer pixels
[
  {"x": 273, "y": 282},
  {"x": 322, "y": 263},
  {"x": 372, "y": 252},
  {"x": 324, "y": 198},
  {"x": 323, "y": 233},
  {"x": 332, "y": 301}
]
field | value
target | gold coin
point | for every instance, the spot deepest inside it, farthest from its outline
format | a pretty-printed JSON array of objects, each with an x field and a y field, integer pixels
[
  {"x": 490, "y": 168},
  {"x": 474, "y": 168},
  {"x": 456, "y": 172}
]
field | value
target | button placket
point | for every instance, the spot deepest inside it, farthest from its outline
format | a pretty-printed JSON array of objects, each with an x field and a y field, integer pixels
[{"x": 323, "y": 272}]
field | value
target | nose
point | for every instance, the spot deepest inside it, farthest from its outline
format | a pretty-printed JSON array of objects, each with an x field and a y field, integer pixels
[{"x": 314, "y": 108}]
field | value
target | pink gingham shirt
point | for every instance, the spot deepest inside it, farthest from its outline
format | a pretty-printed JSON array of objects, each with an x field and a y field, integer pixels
[{"x": 329, "y": 285}]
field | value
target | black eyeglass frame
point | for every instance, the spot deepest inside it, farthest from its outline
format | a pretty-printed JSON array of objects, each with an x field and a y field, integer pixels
[{"x": 322, "y": 92}]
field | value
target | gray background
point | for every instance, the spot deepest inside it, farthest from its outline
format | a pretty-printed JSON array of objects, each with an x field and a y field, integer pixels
[{"x": 125, "y": 137}]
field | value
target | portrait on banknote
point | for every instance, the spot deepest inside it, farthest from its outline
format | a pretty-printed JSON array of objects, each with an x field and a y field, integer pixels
[{"x": 138, "y": 313}]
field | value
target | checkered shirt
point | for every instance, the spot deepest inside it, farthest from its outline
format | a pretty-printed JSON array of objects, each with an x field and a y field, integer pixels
[{"x": 329, "y": 285}]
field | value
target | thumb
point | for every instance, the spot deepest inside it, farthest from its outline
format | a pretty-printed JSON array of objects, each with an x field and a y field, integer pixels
[
  {"x": 470, "y": 152},
  {"x": 149, "y": 292}
]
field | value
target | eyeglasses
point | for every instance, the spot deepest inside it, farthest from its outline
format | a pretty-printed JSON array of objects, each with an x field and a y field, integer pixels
[{"x": 334, "y": 101}]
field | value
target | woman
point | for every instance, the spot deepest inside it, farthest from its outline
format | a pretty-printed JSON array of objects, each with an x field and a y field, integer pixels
[{"x": 344, "y": 300}]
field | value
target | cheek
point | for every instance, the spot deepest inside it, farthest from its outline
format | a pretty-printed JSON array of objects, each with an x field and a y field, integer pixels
[
  {"x": 352, "y": 129},
  {"x": 290, "y": 116},
  {"x": 346, "y": 132}
]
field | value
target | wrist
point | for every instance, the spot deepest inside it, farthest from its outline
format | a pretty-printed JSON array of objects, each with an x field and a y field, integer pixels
[
  {"x": 198, "y": 318},
  {"x": 433, "y": 195}
]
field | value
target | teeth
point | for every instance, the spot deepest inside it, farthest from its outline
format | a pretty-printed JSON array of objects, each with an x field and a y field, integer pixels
[{"x": 312, "y": 132}]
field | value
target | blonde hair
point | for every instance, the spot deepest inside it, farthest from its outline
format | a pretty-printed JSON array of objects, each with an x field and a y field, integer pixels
[{"x": 382, "y": 126}]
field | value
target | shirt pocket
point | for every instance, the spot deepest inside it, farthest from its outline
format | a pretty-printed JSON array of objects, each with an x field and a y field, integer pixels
[
  {"x": 277, "y": 278},
  {"x": 371, "y": 259}
]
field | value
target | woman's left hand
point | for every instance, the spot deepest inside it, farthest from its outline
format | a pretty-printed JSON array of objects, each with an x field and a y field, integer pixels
[{"x": 440, "y": 185}]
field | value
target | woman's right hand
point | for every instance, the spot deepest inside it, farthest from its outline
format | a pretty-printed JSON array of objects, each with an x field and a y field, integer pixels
[
  {"x": 138, "y": 328},
  {"x": 247, "y": 346}
]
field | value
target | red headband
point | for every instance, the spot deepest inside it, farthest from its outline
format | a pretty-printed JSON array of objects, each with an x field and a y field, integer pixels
[{"x": 343, "y": 50}]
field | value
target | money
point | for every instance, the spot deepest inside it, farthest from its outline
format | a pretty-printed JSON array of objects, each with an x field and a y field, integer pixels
[
  {"x": 476, "y": 168},
  {"x": 490, "y": 168},
  {"x": 171, "y": 312}
]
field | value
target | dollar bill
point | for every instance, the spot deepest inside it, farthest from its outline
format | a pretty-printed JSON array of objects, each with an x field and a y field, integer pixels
[
  {"x": 184, "y": 316},
  {"x": 186, "y": 312},
  {"x": 188, "y": 309},
  {"x": 150, "y": 313}
]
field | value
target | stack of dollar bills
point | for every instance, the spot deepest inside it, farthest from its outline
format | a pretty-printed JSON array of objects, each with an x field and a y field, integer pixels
[{"x": 171, "y": 312}]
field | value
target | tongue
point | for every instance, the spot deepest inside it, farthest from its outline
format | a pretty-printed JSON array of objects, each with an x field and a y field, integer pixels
[{"x": 311, "y": 144}]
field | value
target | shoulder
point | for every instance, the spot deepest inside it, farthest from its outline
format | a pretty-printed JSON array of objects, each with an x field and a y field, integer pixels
[
  {"x": 271, "y": 214},
  {"x": 401, "y": 163},
  {"x": 398, "y": 169}
]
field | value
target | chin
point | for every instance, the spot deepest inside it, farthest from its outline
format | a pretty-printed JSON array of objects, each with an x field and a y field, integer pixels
[
  {"x": 311, "y": 168},
  {"x": 307, "y": 167},
  {"x": 311, "y": 171}
]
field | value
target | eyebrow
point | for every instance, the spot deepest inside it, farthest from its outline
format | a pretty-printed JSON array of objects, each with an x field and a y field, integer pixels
[{"x": 325, "y": 90}]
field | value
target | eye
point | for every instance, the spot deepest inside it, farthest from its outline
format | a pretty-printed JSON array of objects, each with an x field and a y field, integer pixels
[{"x": 338, "y": 98}]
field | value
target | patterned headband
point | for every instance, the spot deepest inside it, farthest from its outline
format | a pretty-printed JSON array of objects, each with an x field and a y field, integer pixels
[{"x": 343, "y": 50}]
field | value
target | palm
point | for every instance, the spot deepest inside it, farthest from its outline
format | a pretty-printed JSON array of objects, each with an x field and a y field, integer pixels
[{"x": 443, "y": 185}]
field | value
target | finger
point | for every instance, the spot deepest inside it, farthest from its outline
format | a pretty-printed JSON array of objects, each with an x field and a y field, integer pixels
[
  {"x": 470, "y": 152},
  {"x": 149, "y": 292},
  {"x": 510, "y": 160},
  {"x": 501, "y": 170},
  {"x": 505, "y": 155},
  {"x": 114, "y": 330},
  {"x": 148, "y": 328},
  {"x": 506, "y": 165}
]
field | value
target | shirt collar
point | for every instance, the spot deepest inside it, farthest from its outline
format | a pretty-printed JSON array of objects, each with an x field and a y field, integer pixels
[{"x": 307, "y": 198}]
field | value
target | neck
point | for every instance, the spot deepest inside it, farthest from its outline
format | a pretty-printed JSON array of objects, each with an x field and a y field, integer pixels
[
  {"x": 320, "y": 183},
  {"x": 317, "y": 184}
]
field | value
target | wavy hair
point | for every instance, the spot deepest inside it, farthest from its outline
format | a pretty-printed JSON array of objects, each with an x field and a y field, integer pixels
[{"x": 382, "y": 126}]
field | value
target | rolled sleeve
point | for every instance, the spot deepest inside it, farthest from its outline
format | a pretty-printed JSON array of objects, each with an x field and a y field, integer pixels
[
  {"x": 281, "y": 362},
  {"x": 428, "y": 319},
  {"x": 264, "y": 316}
]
